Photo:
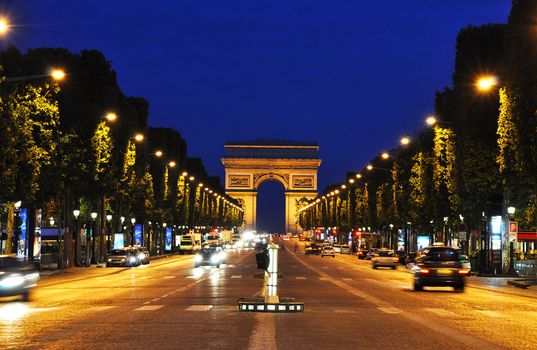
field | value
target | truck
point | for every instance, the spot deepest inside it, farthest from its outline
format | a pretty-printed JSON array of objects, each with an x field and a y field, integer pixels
[
  {"x": 189, "y": 243},
  {"x": 226, "y": 236}
]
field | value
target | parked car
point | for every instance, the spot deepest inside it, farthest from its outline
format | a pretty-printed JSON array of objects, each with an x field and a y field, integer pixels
[
  {"x": 384, "y": 258},
  {"x": 465, "y": 262},
  {"x": 337, "y": 248},
  {"x": 17, "y": 277},
  {"x": 345, "y": 249},
  {"x": 439, "y": 266},
  {"x": 213, "y": 255},
  {"x": 328, "y": 251},
  {"x": 126, "y": 257}
]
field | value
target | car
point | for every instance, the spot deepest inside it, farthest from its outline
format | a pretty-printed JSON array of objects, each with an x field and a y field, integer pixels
[
  {"x": 361, "y": 252},
  {"x": 384, "y": 258},
  {"x": 17, "y": 277},
  {"x": 345, "y": 249},
  {"x": 465, "y": 262},
  {"x": 124, "y": 257},
  {"x": 337, "y": 248},
  {"x": 328, "y": 251},
  {"x": 312, "y": 249},
  {"x": 213, "y": 255},
  {"x": 142, "y": 254},
  {"x": 439, "y": 266},
  {"x": 370, "y": 253},
  {"x": 401, "y": 254}
]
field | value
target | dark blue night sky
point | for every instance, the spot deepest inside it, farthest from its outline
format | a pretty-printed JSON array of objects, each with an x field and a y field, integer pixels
[{"x": 351, "y": 75}]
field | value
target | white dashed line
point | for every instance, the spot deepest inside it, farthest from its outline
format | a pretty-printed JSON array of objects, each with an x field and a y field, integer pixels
[
  {"x": 101, "y": 308},
  {"x": 169, "y": 277},
  {"x": 300, "y": 278},
  {"x": 324, "y": 267},
  {"x": 348, "y": 279},
  {"x": 149, "y": 308},
  {"x": 491, "y": 313},
  {"x": 236, "y": 276},
  {"x": 199, "y": 308},
  {"x": 440, "y": 312},
  {"x": 390, "y": 310},
  {"x": 344, "y": 311}
]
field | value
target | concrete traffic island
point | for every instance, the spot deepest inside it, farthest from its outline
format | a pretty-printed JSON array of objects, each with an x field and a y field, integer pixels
[{"x": 269, "y": 300}]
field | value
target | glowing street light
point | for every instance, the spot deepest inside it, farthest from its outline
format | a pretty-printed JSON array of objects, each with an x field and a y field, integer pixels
[
  {"x": 486, "y": 82},
  {"x": 369, "y": 167},
  {"x": 139, "y": 137},
  {"x": 358, "y": 176},
  {"x": 172, "y": 164},
  {"x": 385, "y": 155},
  {"x": 111, "y": 117},
  {"x": 4, "y": 26},
  {"x": 430, "y": 121},
  {"x": 158, "y": 153},
  {"x": 405, "y": 141},
  {"x": 57, "y": 74}
]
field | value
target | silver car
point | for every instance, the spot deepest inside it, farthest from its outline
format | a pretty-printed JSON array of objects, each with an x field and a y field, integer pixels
[
  {"x": 17, "y": 277},
  {"x": 384, "y": 258}
]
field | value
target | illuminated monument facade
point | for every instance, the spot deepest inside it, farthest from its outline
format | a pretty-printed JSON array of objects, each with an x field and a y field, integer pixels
[{"x": 249, "y": 164}]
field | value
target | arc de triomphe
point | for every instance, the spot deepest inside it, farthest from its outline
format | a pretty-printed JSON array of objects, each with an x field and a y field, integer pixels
[{"x": 249, "y": 164}]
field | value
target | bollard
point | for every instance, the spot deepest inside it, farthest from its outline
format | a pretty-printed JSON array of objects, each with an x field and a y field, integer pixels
[{"x": 271, "y": 275}]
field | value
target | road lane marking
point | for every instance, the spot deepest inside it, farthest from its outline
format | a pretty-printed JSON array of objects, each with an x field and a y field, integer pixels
[
  {"x": 236, "y": 276},
  {"x": 323, "y": 278},
  {"x": 390, "y": 310},
  {"x": 491, "y": 313},
  {"x": 169, "y": 277},
  {"x": 264, "y": 333},
  {"x": 427, "y": 322},
  {"x": 300, "y": 278},
  {"x": 344, "y": 311},
  {"x": 199, "y": 308},
  {"x": 101, "y": 308},
  {"x": 348, "y": 279},
  {"x": 294, "y": 266},
  {"x": 149, "y": 308},
  {"x": 324, "y": 267},
  {"x": 441, "y": 312}
]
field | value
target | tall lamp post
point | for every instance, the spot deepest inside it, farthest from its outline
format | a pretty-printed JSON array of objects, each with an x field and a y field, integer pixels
[
  {"x": 76, "y": 214},
  {"x": 133, "y": 221},
  {"x": 108, "y": 229},
  {"x": 93, "y": 229},
  {"x": 511, "y": 213}
]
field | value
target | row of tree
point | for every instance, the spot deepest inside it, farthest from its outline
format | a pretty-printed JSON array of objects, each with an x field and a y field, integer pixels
[
  {"x": 60, "y": 153},
  {"x": 478, "y": 159}
]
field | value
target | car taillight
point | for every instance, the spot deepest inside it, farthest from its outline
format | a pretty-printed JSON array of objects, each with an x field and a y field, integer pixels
[
  {"x": 464, "y": 271},
  {"x": 423, "y": 270}
]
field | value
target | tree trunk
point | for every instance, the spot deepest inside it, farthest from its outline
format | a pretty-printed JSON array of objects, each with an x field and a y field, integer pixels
[{"x": 9, "y": 228}]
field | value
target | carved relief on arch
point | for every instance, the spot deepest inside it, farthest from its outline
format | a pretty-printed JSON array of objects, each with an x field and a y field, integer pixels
[{"x": 259, "y": 178}]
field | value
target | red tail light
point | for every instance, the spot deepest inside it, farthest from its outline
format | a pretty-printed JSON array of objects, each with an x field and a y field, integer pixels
[
  {"x": 424, "y": 270},
  {"x": 464, "y": 271}
]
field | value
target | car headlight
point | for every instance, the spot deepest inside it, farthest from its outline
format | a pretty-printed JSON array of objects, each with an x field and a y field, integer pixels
[
  {"x": 109, "y": 260},
  {"x": 12, "y": 281},
  {"x": 198, "y": 258},
  {"x": 215, "y": 258},
  {"x": 141, "y": 256},
  {"x": 32, "y": 276},
  {"x": 132, "y": 259}
]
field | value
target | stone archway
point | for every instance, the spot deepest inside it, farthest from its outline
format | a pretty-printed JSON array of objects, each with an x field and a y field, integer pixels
[{"x": 294, "y": 165}]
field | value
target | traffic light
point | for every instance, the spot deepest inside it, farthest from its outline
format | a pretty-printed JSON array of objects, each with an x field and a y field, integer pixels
[{"x": 262, "y": 259}]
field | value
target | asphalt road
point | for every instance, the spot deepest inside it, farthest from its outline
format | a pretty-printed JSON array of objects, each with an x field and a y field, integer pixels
[{"x": 171, "y": 305}]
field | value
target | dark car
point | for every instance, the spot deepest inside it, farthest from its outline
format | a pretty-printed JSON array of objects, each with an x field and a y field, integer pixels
[
  {"x": 401, "y": 254},
  {"x": 17, "y": 277},
  {"x": 439, "y": 266},
  {"x": 361, "y": 252},
  {"x": 313, "y": 249},
  {"x": 126, "y": 257},
  {"x": 213, "y": 255}
]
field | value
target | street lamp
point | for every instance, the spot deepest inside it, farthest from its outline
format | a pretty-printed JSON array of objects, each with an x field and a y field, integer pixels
[
  {"x": 111, "y": 117},
  {"x": 138, "y": 137},
  {"x": 4, "y": 26},
  {"x": 57, "y": 74},
  {"x": 93, "y": 229},
  {"x": 486, "y": 83},
  {"x": 405, "y": 140},
  {"x": 108, "y": 229},
  {"x": 133, "y": 221}
]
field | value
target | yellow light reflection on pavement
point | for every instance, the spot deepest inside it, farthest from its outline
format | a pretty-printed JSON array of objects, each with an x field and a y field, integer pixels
[{"x": 13, "y": 312}]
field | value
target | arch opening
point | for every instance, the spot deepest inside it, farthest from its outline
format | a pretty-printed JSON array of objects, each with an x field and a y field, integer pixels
[{"x": 271, "y": 207}]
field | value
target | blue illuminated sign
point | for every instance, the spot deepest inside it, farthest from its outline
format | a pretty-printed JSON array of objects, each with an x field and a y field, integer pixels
[
  {"x": 168, "y": 245},
  {"x": 138, "y": 234}
]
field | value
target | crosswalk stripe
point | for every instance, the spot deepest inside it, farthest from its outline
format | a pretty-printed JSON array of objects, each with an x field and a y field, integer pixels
[
  {"x": 300, "y": 278},
  {"x": 149, "y": 308},
  {"x": 390, "y": 310},
  {"x": 236, "y": 276},
  {"x": 199, "y": 308}
]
